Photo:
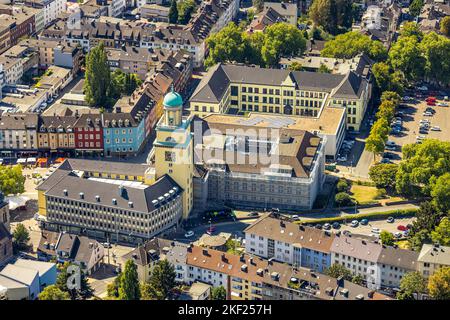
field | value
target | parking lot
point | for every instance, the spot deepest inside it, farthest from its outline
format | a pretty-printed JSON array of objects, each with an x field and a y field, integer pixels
[
  {"x": 380, "y": 224},
  {"x": 413, "y": 113}
]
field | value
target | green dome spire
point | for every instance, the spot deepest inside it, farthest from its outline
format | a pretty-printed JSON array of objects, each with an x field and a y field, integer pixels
[{"x": 173, "y": 100}]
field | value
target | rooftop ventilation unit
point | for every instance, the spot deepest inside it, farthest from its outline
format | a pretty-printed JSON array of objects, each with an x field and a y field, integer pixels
[
  {"x": 66, "y": 193},
  {"x": 130, "y": 204},
  {"x": 114, "y": 201},
  {"x": 97, "y": 198},
  {"x": 81, "y": 195}
]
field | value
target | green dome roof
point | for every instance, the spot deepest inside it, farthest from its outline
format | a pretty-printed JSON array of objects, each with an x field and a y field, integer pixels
[{"x": 173, "y": 100}]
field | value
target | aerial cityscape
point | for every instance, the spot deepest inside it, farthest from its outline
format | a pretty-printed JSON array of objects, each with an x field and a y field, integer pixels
[{"x": 224, "y": 150}]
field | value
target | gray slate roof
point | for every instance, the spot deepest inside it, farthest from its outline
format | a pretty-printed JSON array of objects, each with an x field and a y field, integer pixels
[{"x": 215, "y": 83}]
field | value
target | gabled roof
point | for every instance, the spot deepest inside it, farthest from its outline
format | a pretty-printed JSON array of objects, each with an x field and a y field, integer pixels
[{"x": 350, "y": 87}]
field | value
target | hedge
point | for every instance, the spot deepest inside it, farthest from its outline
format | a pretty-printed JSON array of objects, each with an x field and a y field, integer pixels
[{"x": 391, "y": 213}]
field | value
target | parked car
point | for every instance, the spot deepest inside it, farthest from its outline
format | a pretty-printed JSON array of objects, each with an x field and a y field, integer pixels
[
  {"x": 442, "y": 104},
  {"x": 318, "y": 226},
  {"x": 427, "y": 114},
  {"x": 376, "y": 230},
  {"x": 391, "y": 143},
  {"x": 107, "y": 245},
  {"x": 388, "y": 155},
  {"x": 398, "y": 235},
  {"x": 435, "y": 128},
  {"x": 295, "y": 217},
  {"x": 401, "y": 227},
  {"x": 390, "y": 220},
  {"x": 326, "y": 226},
  {"x": 336, "y": 225},
  {"x": 391, "y": 148},
  {"x": 189, "y": 234},
  {"x": 364, "y": 222},
  {"x": 385, "y": 160},
  {"x": 355, "y": 223}
]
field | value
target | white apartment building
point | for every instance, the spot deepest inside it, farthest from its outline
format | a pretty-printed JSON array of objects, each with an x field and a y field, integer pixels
[
  {"x": 117, "y": 7},
  {"x": 202, "y": 267},
  {"x": 18, "y": 133},
  {"x": 12, "y": 69},
  {"x": 52, "y": 8}
]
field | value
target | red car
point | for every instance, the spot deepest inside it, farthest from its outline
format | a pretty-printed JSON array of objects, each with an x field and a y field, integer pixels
[
  {"x": 402, "y": 228},
  {"x": 431, "y": 103},
  {"x": 431, "y": 99}
]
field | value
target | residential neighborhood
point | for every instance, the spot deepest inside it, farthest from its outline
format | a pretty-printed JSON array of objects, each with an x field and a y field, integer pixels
[{"x": 225, "y": 150}]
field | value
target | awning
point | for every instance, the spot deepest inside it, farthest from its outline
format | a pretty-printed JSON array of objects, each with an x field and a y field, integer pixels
[
  {"x": 31, "y": 160},
  {"x": 42, "y": 160},
  {"x": 22, "y": 160},
  {"x": 60, "y": 160}
]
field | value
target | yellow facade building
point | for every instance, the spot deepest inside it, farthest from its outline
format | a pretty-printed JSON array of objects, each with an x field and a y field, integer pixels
[{"x": 237, "y": 89}]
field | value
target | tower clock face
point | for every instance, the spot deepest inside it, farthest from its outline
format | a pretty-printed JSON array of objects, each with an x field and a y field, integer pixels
[{"x": 170, "y": 156}]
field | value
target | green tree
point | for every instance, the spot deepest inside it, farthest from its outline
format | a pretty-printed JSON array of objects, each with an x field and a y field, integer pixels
[
  {"x": 185, "y": 9},
  {"x": 418, "y": 239},
  {"x": 11, "y": 180},
  {"x": 21, "y": 237},
  {"x": 375, "y": 144},
  {"x": 387, "y": 238},
  {"x": 162, "y": 280},
  {"x": 427, "y": 217},
  {"x": 324, "y": 69},
  {"x": 406, "y": 56},
  {"x": 350, "y": 44},
  {"x": 227, "y": 45},
  {"x": 342, "y": 199},
  {"x": 435, "y": 49},
  {"x": 52, "y": 292},
  {"x": 342, "y": 185},
  {"x": 411, "y": 29},
  {"x": 441, "y": 234},
  {"x": 386, "y": 111},
  {"x": 358, "y": 279},
  {"x": 383, "y": 175},
  {"x": 281, "y": 39},
  {"x": 173, "y": 12},
  {"x": 129, "y": 282},
  {"x": 218, "y": 293},
  {"x": 391, "y": 96},
  {"x": 439, "y": 284},
  {"x": 422, "y": 165},
  {"x": 441, "y": 193},
  {"x": 410, "y": 284},
  {"x": 415, "y": 7},
  {"x": 324, "y": 14},
  {"x": 63, "y": 278},
  {"x": 445, "y": 26},
  {"x": 337, "y": 270},
  {"x": 344, "y": 10},
  {"x": 97, "y": 77},
  {"x": 113, "y": 288},
  {"x": 258, "y": 4},
  {"x": 295, "y": 66}
]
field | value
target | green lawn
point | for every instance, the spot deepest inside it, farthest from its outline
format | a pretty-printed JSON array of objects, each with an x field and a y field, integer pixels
[{"x": 363, "y": 194}]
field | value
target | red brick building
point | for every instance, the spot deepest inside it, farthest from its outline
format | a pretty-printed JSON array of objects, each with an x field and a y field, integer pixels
[{"x": 89, "y": 134}]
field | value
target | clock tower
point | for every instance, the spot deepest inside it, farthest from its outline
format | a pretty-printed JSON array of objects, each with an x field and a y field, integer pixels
[{"x": 174, "y": 148}]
